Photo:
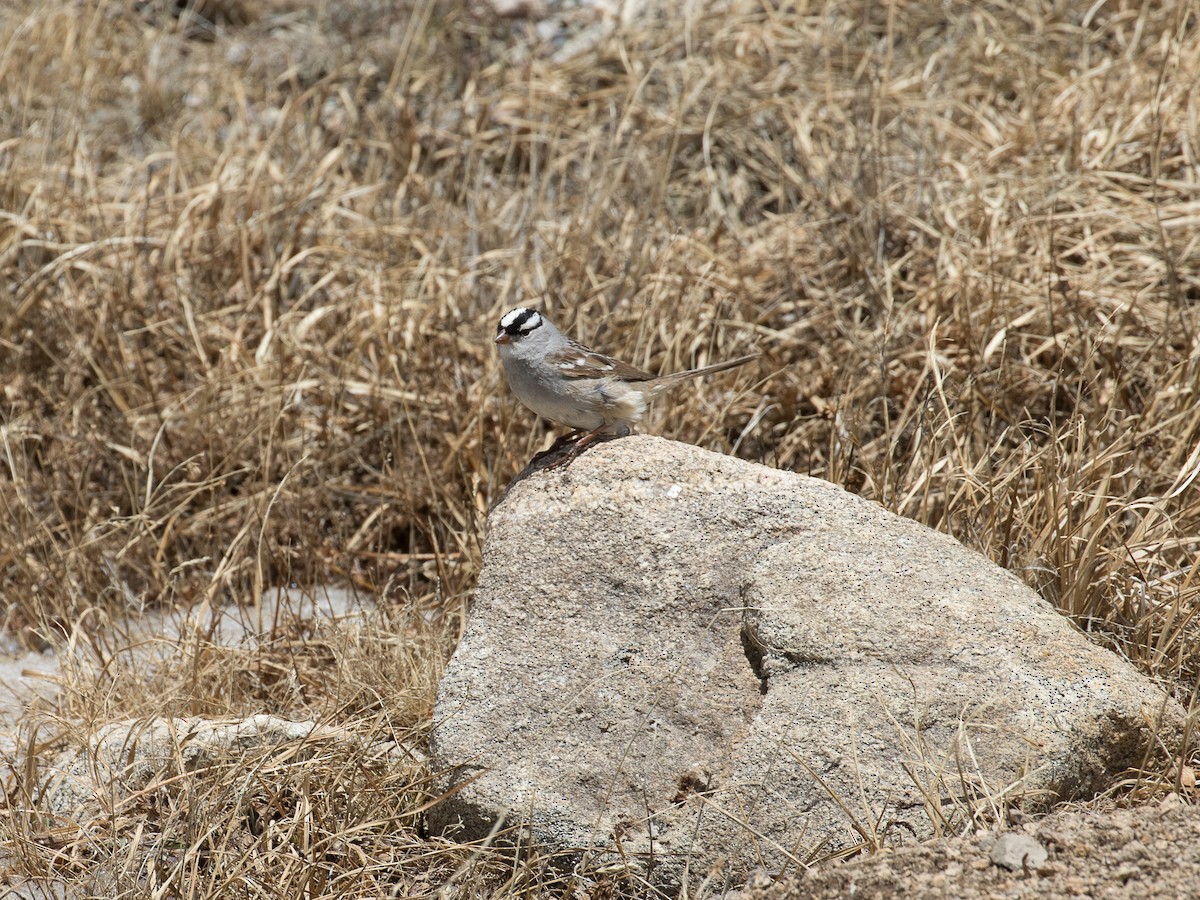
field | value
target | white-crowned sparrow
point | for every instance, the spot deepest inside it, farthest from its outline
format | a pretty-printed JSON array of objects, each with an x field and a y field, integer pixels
[{"x": 568, "y": 383}]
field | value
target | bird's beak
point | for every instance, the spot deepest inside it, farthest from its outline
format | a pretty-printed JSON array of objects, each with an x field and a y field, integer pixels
[{"x": 503, "y": 337}]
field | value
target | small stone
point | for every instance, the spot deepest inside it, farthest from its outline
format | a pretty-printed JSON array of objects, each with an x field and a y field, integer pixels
[
  {"x": 1017, "y": 852},
  {"x": 1170, "y": 801}
]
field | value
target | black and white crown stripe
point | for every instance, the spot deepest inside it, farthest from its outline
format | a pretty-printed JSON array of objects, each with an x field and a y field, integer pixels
[{"x": 520, "y": 321}]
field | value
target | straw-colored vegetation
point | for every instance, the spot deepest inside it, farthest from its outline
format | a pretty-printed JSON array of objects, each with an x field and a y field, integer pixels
[{"x": 252, "y": 258}]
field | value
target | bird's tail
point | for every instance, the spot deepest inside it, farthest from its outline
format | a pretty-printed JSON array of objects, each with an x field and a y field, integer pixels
[
  {"x": 667, "y": 382},
  {"x": 707, "y": 370}
]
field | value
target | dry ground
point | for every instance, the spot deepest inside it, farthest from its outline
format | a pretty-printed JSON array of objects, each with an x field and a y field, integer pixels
[
  {"x": 1109, "y": 854},
  {"x": 252, "y": 255}
]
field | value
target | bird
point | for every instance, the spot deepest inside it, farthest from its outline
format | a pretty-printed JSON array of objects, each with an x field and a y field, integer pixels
[{"x": 562, "y": 380}]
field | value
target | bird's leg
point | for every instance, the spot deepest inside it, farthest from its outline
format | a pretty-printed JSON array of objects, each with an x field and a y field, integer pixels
[
  {"x": 571, "y": 455},
  {"x": 604, "y": 431}
]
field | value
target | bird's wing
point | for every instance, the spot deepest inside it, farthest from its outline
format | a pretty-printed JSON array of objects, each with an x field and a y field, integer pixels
[{"x": 577, "y": 361}]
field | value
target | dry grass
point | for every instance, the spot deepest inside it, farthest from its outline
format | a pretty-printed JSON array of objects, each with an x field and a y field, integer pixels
[{"x": 252, "y": 259}]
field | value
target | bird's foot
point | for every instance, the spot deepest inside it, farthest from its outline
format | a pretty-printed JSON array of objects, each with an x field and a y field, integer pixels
[
  {"x": 596, "y": 436},
  {"x": 556, "y": 447}
]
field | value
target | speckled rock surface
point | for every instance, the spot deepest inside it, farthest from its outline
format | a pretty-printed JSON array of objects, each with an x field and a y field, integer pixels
[{"x": 708, "y": 665}]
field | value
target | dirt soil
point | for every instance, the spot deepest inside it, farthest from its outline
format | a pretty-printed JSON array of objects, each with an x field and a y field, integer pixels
[{"x": 1150, "y": 851}]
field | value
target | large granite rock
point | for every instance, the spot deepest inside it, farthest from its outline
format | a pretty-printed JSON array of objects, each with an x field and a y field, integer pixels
[{"x": 685, "y": 663}]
